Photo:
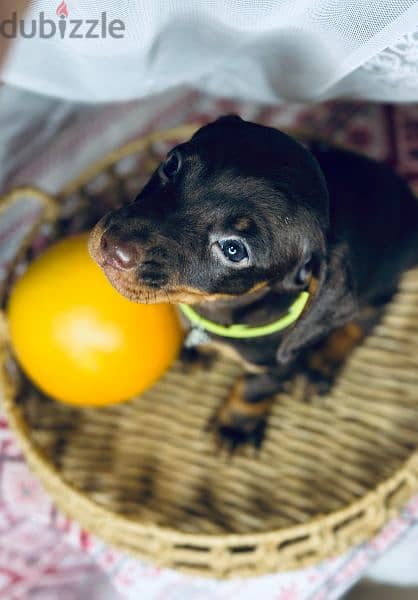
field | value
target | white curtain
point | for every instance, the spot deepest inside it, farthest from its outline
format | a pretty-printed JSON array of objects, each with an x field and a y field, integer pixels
[{"x": 260, "y": 50}]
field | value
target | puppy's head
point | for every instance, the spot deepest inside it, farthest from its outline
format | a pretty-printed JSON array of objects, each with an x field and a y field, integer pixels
[{"x": 238, "y": 207}]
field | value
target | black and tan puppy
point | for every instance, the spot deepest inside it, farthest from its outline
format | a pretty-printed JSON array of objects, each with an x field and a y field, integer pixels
[{"x": 238, "y": 222}]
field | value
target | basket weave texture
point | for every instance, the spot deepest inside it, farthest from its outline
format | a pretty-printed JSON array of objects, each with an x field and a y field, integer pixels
[{"x": 145, "y": 476}]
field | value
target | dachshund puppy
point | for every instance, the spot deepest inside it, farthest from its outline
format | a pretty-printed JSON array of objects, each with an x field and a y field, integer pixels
[{"x": 243, "y": 224}]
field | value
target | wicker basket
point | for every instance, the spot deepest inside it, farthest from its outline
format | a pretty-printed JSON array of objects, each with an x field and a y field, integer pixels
[{"x": 144, "y": 475}]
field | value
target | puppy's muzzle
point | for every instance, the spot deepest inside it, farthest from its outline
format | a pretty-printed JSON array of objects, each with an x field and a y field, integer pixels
[
  {"x": 119, "y": 254},
  {"x": 132, "y": 265}
]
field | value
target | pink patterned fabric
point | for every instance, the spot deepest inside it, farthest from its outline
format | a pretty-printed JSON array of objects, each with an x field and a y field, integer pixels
[
  {"x": 44, "y": 555},
  {"x": 36, "y": 560}
]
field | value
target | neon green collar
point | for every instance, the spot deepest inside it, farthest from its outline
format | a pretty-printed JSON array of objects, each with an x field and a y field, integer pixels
[{"x": 243, "y": 331}]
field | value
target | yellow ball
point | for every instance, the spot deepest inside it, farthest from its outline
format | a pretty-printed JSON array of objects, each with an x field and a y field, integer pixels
[{"x": 78, "y": 339}]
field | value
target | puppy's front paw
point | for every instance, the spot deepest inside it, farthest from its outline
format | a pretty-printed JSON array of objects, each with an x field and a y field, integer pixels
[
  {"x": 239, "y": 422},
  {"x": 231, "y": 437},
  {"x": 317, "y": 383}
]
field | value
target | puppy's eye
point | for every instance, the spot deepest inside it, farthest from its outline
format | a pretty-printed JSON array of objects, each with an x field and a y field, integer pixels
[
  {"x": 171, "y": 166},
  {"x": 304, "y": 273},
  {"x": 234, "y": 250}
]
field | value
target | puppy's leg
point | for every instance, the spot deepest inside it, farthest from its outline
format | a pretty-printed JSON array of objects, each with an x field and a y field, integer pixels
[
  {"x": 324, "y": 361},
  {"x": 328, "y": 356},
  {"x": 242, "y": 417}
]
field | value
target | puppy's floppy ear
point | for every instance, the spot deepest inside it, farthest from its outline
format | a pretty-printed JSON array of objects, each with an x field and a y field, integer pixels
[
  {"x": 306, "y": 328},
  {"x": 298, "y": 278}
]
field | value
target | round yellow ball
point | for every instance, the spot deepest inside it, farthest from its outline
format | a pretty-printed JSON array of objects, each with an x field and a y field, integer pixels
[{"x": 78, "y": 339}]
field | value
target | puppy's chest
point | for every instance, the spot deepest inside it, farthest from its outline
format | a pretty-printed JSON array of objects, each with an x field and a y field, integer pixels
[{"x": 256, "y": 355}]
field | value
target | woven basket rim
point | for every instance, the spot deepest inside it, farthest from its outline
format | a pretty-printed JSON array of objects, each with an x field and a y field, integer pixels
[{"x": 101, "y": 521}]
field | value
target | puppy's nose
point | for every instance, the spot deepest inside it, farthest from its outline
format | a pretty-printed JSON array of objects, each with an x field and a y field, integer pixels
[{"x": 122, "y": 255}]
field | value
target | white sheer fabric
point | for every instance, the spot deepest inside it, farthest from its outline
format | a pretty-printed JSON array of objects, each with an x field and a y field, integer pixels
[{"x": 262, "y": 50}]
